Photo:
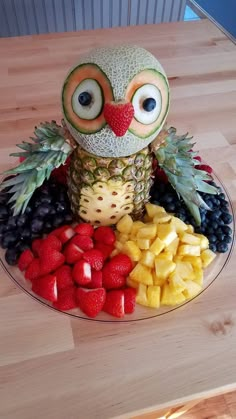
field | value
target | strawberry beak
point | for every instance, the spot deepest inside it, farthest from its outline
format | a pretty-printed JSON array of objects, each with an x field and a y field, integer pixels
[{"x": 118, "y": 116}]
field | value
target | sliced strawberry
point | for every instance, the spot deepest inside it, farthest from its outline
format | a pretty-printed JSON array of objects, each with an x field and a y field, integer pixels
[
  {"x": 96, "y": 280},
  {"x": 160, "y": 174},
  {"x": 112, "y": 279},
  {"x": 33, "y": 270},
  {"x": 118, "y": 115},
  {"x": 95, "y": 258},
  {"x": 121, "y": 263},
  {"x": 105, "y": 235},
  {"x": 114, "y": 303},
  {"x": 106, "y": 249},
  {"x": 72, "y": 253},
  {"x": 66, "y": 299},
  {"x": 46, "y": 287},
  {"x": 58, "y": 231},
  {"x": 91, "y": 302},
  {"x": 198, "y": 158},
  {"x": 64, "y": 277},
  {"x": 81, "y": 272},
  {"x": 36, "y": 246},
  {"x": 85, "y": 229},
  {"x": 50, "y": 260},
  {"x": 25, "y": 259},
  {"x": 204, "y": 167},
  {"x": 66, "y": 234},
  {"x": 50, "y": 242},
  {"x": 83, "y": 242},
  {"x": 130, "y": 300}
]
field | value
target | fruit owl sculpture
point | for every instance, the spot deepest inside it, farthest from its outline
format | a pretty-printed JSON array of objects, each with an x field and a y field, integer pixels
[{"x": 115, "y": 102}]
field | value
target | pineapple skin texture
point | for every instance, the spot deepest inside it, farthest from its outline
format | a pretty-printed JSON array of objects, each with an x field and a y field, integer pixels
[{"x": 104, "y": 189}]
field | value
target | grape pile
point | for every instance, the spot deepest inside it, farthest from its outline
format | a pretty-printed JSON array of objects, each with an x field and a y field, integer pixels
[
  {"x": 48, "y": 209},
  {"x": 215, "y": 222}
]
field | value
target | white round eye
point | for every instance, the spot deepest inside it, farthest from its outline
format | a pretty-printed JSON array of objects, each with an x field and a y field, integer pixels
[
  {"x": 87, "y": 99},
  {"x": 147, "y": 104}
]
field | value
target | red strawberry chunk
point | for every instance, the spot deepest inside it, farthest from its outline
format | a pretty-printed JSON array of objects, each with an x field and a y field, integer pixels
[
  {"x": 66, "y": 299},
  {"x": 105, "y": 235},
  {"x": 64, "y": 277},
  {"x": 114, "y": 303},
  {"x": 50, "y": 260},
  {"x": 66, "y": 234},
  {"x": 96, "y": 280},
  {"x": 33, "y": 270},
  {"x": 112, "y": 279},
  {"x": 81, "y": 272},
  {"x": 58, "y": 231},
  {"x": 24, "y": 260},
  {"x": 46, "y": 287},
  {"x": 106, "y": 249},
  {"x": 95, "y": 258},
  {"x": 198, "y": 158},
  {"x": 205, "y": 168},
  {"x": 84, "y": 229},
  {"x": 83, "y": 242},
  {"x": 160, "y": 174},
  {"x": 51, "y": 242},
  {"x": 91, "y": 302},
  {"x": 36, "y": 246},
  {"x": 130, "y": 300},
  {"x": 72, "y": 253},
  {"x": 121, "y": 263},
  {"x": 118, "y": 116}
]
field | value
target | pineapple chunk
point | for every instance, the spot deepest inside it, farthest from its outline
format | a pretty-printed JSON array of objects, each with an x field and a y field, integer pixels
[
  {"x": 131, "y": 249},
  {"x": 147, "y": 219},
  {"x": 147, "y": 232},
  {"x": 161, "y": 218},
  {"x": 123, "y": 238},
  {"x": 170, "y": 299},
  {"x": 166, "y": 232},
  {"x": 178, "y": 225},
  {"x": 142, "y": 274},
  {"x": 157, "y": 246},
  {"x": 190, "y": 239},
  {"x": 141, "y": 296},
  {"x": 188, "y": 249},
  {"x": 164, "y": 268},
  {"x": 184, "y": 270},
  {"x": 124, "y": 225},
  {"x": 157, "y": 280},
  {"x": 173, "y": 246},
  {"x": 177, "y": 258},
  {"x": 165, "y": 255},
  {"x": 143, "y": 244},
  {"x": 204, "y": 242},
  {"x": 198, "y": 276},
  {"x": 195, "y": 261},
  {"x": 147, "y": 259},
  {"x": 119, "y": 245},
  {"x": 154, "y": 296},
  {"x": 189, "y": 229},
  {"x": 136, "y": 227},
  {"x": 153, "y": 209},
  {"x": 176, "y": 283},
  {"x": 192, "y": 289},
  {"x": 131, "y": 283},
  {"x": 207, "y": 257}
]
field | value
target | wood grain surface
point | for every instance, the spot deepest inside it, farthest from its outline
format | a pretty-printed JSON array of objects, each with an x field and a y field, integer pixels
[{"x": 58, "y": 368}]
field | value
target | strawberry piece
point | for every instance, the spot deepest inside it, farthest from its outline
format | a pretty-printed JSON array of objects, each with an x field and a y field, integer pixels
[
  {"x": 64, "y": 277},
  {"x": 114, "y": 303},
  {"x": 60, "y": 174},
  {"x": 112, "y": 279},
  {"x": 58, "y": 231},
  {"x": 83, "y": 242},
  {"x": 130, "y": 300},
  {"x": 21, "y": 159},
  {"x": 36, "y": 246},
  {"x": 119, "y": 116},
  {"x": 50, "y": 260},
  {"x": 46, "y": 287},
  {"x": 66, "y": 299},
  {"x": 96, "y": 280},
  {"x": 50, "y": 242},
  {"x": 160, "y": 175},
  {"x": 82, "y": 272},
  {"x": 91, "y": 302},
  {"x": 72, "y": 253},
  {"x": 85, "y": 229},
  {"x": 95, "y": 258},
  {"x": 105, "y": 235},
  {"x": 66, "y": 234},
  {"x": 33, "y": 270},
  {"x": 121, "y": 263},
  {"x": 205, "y": 167},
  {"x": 198, "y": 158},
  {"x": 25, "y": 259},
  {"x": 106, "y": 249}
]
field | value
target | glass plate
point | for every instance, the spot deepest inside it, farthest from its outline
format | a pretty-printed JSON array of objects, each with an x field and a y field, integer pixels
[{"x": 141, "y": 313}]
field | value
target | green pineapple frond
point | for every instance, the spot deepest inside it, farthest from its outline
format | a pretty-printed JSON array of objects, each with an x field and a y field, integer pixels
[
  {"x": 176, "y": 158},
  {"x": 47, "y": 151}
]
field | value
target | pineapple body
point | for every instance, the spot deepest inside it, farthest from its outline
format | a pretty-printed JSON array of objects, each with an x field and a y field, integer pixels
[{"x": 103, "y": 189}]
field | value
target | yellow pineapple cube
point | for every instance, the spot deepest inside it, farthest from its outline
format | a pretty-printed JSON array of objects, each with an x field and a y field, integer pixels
[
  {"x": 184, "y": 270},
  {"x": 173, "y": 246},
  {"x": 157, "y": 280},
  {"x": 147, "y": 232},
  {"x": 166, "y": 233},
  {"x": 170, "y": 299},
  {"x": 195, "y": 261},
  {"x": 189, "y": 250},
  {"x": 176, "y": 258},
  {"x": 154, "y": 296},
  {"x": 147, "y": 259},
  {"x": 131, "y": 283},
  {"x": 143, "y": 244},
  {"x": 147, "y": 219},
  {"x": 165, "y": 255},
  {"x": 161, "y": 218},
  {"x": 157, "y": 246},
  {"x": 141, "y": 296},
  {"x": 119, "y": 245},
  {"x": 142, "y": 274},
  {"x": 123, "y": 238},
  {"x": 176, "y": 283},
  {"x": 191, "y": 289},
  {"x": 190, "y": 239},
  {"x": 204, "y": 242},
  {"x": 198, "y": 276},
  {"x": 207, "y": 257},
  {"x": 164, "y": 268},
  {"x": 189, "y": 229},
  {"x": 131, "y": 249},
  {"x": 178, "y": 225},
  {"x": 153, "y": 209},
  {"x": 124, "y": 225},
  {"x": 136, "y": 227}
]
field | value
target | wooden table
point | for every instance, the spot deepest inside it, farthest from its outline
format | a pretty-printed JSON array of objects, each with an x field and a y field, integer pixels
[{"x": 54, "y": 367}]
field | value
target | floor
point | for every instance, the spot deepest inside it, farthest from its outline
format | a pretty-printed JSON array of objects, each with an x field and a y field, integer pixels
[{"x": 221, "y": 407}]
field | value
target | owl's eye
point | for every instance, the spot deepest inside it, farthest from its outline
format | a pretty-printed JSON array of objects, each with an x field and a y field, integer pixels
[
  {"x": 87, "y": 100},
  {"x": 147, "y": 104}
]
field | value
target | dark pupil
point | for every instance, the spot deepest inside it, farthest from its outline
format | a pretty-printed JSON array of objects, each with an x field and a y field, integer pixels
[
  {"x": 85, "y": 98},
  {"x": 149, "y": 104}
]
